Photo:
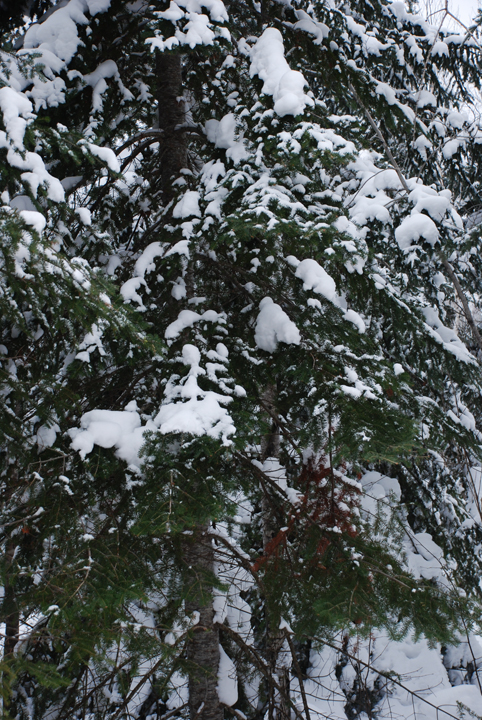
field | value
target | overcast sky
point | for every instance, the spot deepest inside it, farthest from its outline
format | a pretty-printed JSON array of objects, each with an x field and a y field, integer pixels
[{"x": 464, "y": 9}]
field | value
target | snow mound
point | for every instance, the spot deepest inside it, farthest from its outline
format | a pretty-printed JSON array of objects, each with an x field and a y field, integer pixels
[
  {"x": 285, "y": 85},
  {"x": 274, "y": 326}
]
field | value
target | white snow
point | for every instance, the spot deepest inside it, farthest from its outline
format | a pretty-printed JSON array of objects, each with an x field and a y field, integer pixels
[
  {"x": 413, "y": 228},
  {"x": 106, "y": 155},
  {"x": 285, "y": 85},
  {"x": 198, "y": 30},
  {"x": 84, "y": 215},
  {"x": 16, "y": 107},
  {"x": 129, "y": 290},
  {"x": 319, "y": 30},
  {"x": 35, "y": 171},
  {"x": 188, "y": 205},
  {"x": 274, "y": 326},
  {"x": 227, "y": 680},
  {"x": 35, "y": 219},
  {"x": 57, "y": 37},
  {"x": 446, "y": 336},
  {"x": 97, "y": 81},
  {"x": 111, "y": 428},
  {"x": 187, "y": 318},
  {"x": 223, "y": 134},
  {"x": 426, "y": 198},
  {"x": 46, "y": 436},
  {"x": 190, "y": 409},
  {"x": 353, "y": 317},
  {"x": 315, "y": 278}
]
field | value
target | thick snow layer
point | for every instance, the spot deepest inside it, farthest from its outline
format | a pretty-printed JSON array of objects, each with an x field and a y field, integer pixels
[
  {"x": 421, "y": 668},
  {"x": 319, "y": 30},
  {"x": 198, "y": 29},
  {"x": 112, "y": 428},
  {"x": 15, "y": 107},
  {"x": 315, "y": 278},
  {"x": 188, "y": 205},
  {"x": 85, "y": 215},
  {"x": 46, "y": 436},
  {"x": 187, "y": 409},
  {"x": 35, "y": 173},
  {"x": 187, "y": 318},
  {"x": 97, "y": 81},
  {"x": 106, "y": 155},
  {"x": 216, "y": 8},
  {"x": 274, "y": 326},
  {"x": 446, "y": 336},
  {"x": 413, "y": 228},
  {"x": 57, "y": 36},
  {"x": 223, "y": 134},
  {"x": 129, "y": 291},
  {"x": 426, "y": 198},
  {"x": 285, "y": 85},
  {"x": 190, "y": 409},
  {"x": 34, "y": 219},
  {"x": 227, "y": 681}
]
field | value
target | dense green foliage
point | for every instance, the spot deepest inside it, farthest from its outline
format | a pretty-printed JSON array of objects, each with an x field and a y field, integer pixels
[{"x": 237, "y": 301}]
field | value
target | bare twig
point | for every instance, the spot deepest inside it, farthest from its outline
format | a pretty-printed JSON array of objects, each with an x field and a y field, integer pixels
[
  {"x": 387, "y": 676},
  {"x": 299, "y": 674}
]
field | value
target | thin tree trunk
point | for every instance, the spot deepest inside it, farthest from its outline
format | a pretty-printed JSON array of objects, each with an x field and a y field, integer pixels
[
  {"x": 11, "y": 618},
  {"x": 172, "y": 114},
  {"x": 203, "y": 648},
  {"x": 278, "y": 700}
]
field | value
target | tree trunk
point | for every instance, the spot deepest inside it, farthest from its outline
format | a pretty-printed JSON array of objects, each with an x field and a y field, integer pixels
[
  {"x": 172, "y": 115},
  {"x": 278, "y": 700},
  {"x": 203, "y": 648},
  {"x": 11, "y": 617}
]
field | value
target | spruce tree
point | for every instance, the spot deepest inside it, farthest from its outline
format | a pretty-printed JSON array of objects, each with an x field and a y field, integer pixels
[{"x": 253, "y": 412}]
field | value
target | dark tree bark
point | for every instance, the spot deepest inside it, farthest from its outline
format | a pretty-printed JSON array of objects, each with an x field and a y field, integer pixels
[
  {"x": 203, "y": 647},
  {"x": 278, "y": 700},
  {"x": 172, "y": 115},
  {"x": 11, "y": 616}
]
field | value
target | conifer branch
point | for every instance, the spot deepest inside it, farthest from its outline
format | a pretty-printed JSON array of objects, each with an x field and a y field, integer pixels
[
  {"x": 448, "y": 267},
  {"x": 463, "y": 299}
]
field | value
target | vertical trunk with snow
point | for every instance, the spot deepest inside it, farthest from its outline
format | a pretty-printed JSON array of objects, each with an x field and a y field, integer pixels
[
  {"x": 11, "y": 617},
  {"x": 278, "y": 700},
  {"x": 203, "y": 647}
]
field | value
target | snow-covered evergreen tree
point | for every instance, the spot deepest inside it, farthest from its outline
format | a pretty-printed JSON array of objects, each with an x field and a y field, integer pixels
[{"x": 241, "y": 362}]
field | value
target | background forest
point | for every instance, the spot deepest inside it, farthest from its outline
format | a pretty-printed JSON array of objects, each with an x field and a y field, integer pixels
[{"x": 240, "y": 361}]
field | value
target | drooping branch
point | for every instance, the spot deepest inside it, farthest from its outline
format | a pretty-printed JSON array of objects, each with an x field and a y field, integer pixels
[
  {"x": 448, "y": 267},
  {"x": 463, "y": 299}
]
